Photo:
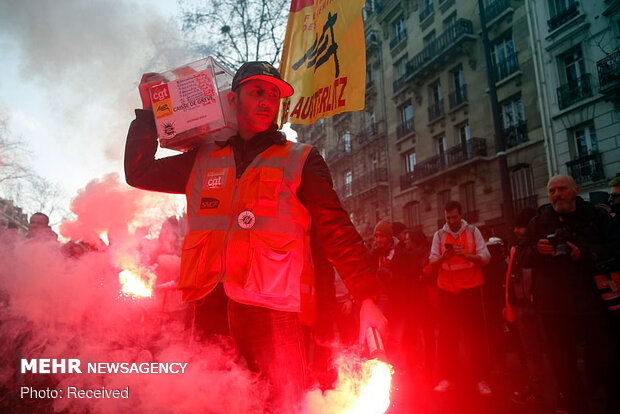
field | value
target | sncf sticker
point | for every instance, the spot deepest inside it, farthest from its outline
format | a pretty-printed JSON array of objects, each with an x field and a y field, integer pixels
[
  {"x": 214, "y": 179},
  {"x": 209, "y": 203}
]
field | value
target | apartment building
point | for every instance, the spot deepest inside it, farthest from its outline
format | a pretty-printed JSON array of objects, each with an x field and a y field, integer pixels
[
  {"x": 427, "y": 133},
  {"x": 578, "y": 66}
]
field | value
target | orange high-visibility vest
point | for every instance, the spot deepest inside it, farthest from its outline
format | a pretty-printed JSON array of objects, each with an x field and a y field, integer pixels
[
  {"x": 458, "y": 273},
  {"x": 251, "y": 233}
]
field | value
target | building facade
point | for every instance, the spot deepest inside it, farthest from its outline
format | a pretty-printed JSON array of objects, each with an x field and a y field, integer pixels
[
  {"x": 427, "y": 133},
  {"x": 578, "y": 62}
]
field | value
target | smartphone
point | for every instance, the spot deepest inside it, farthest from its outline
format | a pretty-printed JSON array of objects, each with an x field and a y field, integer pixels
[{"x": 448, "y": 246}]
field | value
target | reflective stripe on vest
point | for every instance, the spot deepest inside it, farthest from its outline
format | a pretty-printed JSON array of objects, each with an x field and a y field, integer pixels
[{"x": 263, "y": 261}]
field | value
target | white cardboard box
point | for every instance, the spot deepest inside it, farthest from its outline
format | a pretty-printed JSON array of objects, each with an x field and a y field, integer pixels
[{"x": 191, "y": 107}]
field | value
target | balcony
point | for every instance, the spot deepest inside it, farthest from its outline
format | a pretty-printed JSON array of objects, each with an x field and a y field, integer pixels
[
  {"x": 427, "y": 12},
  {"x": 475, "y": 147},
  {"x": 369, "y": 180},
  {"x": 515, "y": 134},
  {"x": 435, "y": 110},
  {"x": 405, "y": 128},
  {"x": 562, "y": 16},
  {"x": 571, "y": 93},
  {"x": 494, "y": 9},
  {"x": 458, "y": 97},
  {"x": 336, "y": 155},
  {"x": 384, "y": 5},
  {"x": 587, "y": 169},
  {"x": 519, "y": 204},
  {"x": 445, "y": 45},
  {"x": 609, "y": 72},
  {"x": 506, "y": 67},
  {"x": 398, "y": 37},
  {"x": 369, "y": 134}
]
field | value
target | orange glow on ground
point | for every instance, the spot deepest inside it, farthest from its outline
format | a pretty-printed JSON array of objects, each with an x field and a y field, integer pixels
[
  {"x": 363, "y": 387},
  {"x": 136, "y": 282}
]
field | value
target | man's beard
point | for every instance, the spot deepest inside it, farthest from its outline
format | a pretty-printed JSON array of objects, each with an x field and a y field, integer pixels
[{"x": 563, "y": 206}]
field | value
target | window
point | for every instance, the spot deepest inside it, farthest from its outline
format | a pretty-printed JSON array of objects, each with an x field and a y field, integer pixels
[
  {"x": 504, "y": 58},
  {"x": 468, "y": 201},
  {"x": 522, "y": 187},
  {"x": 400, "y": 67},
  {"x": 440, "y": 144},
  {"x": 410, "y": 161},
  {"x": 463, "y": 133},
  {"x": 585, "y": 142},
  {"x": 435, "y": 99},
  {"x": 458, "y": 91},
  {"x": 512, "y": 112},
  {"x": 576, "y": 82},
  {"x": 442, "y": 199},
  {"x": 412, "y": 214},
  {"x": 426, "y": 9},
  {"x": 429, "y": 38},
  {"x": 406, "y": 120},
  {"x": 346, "y": 141},
  {"x": 398, "y": 28},
  {"x": 449, "y": 21},
  {"x": 348, "y": 180},
  {"x": 514, "y": 126}
]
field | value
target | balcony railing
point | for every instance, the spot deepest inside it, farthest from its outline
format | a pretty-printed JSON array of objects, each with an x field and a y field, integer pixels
[
  {"x": 506, "y": 67},
  {"x": 562, "y": 16},
  {"x": 435, "y": 110},
  {"x": 440, "y": 45},
  {"x": 369, "y": 180},
  {"x": 459, "y": 96},
  {"x": 525, "y": 202},
  {"x": 398, "y": 37},
  {"x": 337, "y": 155},
  {"x": 609, "y": 70},
  {"x": 586, "y": 169},
  {"x": 427, "y": 11},
  {"x": 381, "y": 5},
  {"x": 494, "y": 9},
  {"x": 404, "y": 128},
  {"x": 574, "y": 92},
  {"x": 456, "y": 155},
  {"x": 515, "y": 134}
]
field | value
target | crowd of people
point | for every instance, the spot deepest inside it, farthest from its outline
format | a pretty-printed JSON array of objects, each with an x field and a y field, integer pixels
[{"x": 458, "y": 304}]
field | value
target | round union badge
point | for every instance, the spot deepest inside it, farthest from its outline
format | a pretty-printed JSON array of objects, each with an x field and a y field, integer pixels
[{"x": 246, "y": 219}]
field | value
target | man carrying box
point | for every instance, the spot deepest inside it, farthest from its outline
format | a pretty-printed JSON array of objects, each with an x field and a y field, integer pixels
[{"x": 251, "y": 201}]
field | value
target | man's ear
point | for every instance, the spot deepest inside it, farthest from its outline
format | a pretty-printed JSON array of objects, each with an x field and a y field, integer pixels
[{"x": 232, "y": 99}]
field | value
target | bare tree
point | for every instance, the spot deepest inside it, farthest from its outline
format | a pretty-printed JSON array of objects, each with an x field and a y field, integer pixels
[
  {"x": 21, "y": 184},
  {"x": 13, "y": 156},
  {"x": 236, "y": 31}
]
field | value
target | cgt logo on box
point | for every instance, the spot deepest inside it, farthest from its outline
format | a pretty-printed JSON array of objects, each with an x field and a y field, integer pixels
[{"x": 50, "y": 366}]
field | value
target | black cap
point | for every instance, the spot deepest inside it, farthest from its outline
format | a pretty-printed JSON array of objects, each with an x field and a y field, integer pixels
[{"x": 263, "y": 71}]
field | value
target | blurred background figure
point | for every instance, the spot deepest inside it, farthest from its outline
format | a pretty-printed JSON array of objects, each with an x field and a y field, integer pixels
[{"x": 39, "y": 228}]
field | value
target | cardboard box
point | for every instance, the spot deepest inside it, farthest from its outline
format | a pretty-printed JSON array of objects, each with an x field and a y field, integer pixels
[{"x": 191, "y": 106}]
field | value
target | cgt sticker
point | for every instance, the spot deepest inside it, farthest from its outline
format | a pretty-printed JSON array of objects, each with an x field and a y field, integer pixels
[
  {"x": 214, "y": 179},
  {"x": 207, "y": 203}
]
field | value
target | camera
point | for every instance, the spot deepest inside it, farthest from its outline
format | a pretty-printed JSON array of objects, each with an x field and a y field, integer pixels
[{"x": 558, "y": 240}]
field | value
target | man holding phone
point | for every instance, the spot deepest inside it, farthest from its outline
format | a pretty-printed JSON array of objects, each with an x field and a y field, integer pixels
[{"x": 458, "y": 251}]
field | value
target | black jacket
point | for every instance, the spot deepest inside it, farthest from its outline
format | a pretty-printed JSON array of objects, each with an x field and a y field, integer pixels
[
  {"x": 335, "y": 232},
  {"x": 560, "y": 284}
]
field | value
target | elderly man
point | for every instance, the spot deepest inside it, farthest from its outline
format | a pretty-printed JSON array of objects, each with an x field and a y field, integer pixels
[
  {"x": 563, "y": 245},
  {"x": 246, "y": 258}
]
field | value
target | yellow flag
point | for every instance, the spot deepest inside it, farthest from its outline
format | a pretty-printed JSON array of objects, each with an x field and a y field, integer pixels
[{"x": 324, "y": 58}]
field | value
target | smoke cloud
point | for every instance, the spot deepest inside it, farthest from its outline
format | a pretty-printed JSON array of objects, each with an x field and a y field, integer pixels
[{"x": 85, "y": 60}]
